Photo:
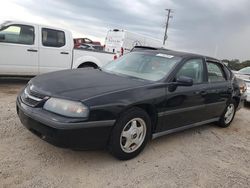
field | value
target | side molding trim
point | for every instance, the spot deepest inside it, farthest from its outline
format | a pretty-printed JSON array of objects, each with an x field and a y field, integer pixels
[{"x": 159, "y": 134}]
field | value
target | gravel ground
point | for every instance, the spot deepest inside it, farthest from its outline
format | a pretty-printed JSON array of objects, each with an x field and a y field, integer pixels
[{"x": 206, "y": 156}]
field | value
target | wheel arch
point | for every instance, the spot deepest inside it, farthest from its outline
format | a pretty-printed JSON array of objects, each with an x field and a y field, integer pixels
[
  {"x": 149, "y": 109},
  {"x": 89, "y": 64},
  {"x": 85, "y": 59}
]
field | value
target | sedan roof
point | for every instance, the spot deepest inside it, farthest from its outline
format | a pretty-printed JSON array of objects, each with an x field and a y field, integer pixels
[{"x": 171, "y": 52}]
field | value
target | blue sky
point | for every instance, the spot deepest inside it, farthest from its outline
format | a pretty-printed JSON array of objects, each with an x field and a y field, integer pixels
[{"x": 217, "y": 28}]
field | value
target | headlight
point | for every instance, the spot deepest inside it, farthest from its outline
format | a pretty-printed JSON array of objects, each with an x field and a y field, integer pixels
[{"x": 66, "y": 108}]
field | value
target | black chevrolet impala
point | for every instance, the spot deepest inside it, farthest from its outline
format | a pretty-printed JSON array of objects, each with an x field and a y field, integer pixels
[{"x": 143, "y": 95}]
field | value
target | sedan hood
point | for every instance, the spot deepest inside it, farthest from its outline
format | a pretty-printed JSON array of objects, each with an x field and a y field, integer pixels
[{"x": 80, "y": 84}]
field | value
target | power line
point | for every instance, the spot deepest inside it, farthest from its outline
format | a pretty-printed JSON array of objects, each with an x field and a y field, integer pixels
[{"x": 169, "y": 15}]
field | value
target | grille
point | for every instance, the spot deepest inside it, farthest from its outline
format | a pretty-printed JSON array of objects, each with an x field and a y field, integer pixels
[
  {"x": 35, "y": 94},
  {"x": 32, "y": 98}
]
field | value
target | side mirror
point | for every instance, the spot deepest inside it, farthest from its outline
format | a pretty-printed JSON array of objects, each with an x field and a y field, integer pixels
[
  {"x": 2, "y": 37},
  {"x": 184, "y": 81},
  {"x": 181, "y": 81}
]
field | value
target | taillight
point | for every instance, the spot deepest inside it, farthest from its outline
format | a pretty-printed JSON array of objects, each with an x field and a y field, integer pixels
[{"x": 243, "y": 88}]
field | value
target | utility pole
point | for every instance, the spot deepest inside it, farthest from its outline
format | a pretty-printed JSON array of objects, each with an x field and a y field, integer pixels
[{"x": 167, "y": 24}]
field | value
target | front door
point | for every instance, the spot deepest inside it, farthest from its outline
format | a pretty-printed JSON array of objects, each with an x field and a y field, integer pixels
[
  {"x": 18, "y": 50},
  {"x": 186, "y": 104}
]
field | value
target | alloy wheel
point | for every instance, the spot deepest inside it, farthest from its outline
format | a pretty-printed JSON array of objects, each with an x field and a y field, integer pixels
[
  {"x": 229, "y": 113},
  {"x": 133, "y": 135}
]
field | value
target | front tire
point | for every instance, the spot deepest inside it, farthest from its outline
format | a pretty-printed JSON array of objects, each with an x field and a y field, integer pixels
[
  {"x": 228, "y": 115},
  {"x": 130, "y": 134}
]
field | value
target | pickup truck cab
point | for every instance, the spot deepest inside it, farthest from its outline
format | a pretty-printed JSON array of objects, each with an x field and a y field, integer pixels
[{"x": 30, "y": 49}]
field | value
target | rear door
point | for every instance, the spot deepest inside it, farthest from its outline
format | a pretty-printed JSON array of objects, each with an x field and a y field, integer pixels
[
  {"x": 186, "y": 105},
  {"x": 219, "y": 89},
  {"x": 114, "y": 41},
  {"x": 55, "y": 50},
  {"x": 18, "y": 50}
]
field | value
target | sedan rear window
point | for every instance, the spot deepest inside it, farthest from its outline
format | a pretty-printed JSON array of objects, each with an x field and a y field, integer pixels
[{"x": 152, "y": 67}]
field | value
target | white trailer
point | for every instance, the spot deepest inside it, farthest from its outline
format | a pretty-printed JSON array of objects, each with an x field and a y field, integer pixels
[{"x": 122, "y": 41}]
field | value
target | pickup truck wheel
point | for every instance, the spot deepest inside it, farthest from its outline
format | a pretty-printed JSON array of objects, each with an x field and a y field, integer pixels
[
  {"x": 228, "y": 115},
  {"x": 130, "y": 134}
]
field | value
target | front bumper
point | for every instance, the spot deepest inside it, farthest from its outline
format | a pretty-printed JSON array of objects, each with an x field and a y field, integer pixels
[{"x": 78, "y": 135}]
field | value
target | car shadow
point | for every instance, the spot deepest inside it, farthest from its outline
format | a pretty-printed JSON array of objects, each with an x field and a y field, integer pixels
[
  {"x": 12, "y": 85},
  {"x": 102, "y": 157},
  {"x": 14, "y": 80},
  {"x": 247, "y": 105}
]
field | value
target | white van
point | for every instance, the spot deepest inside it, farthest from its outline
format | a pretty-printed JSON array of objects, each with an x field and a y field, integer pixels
[{"x": 122, "y": 41}]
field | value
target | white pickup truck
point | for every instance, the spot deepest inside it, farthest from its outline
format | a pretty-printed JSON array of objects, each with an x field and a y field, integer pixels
[{"x": 31, "y": 49}]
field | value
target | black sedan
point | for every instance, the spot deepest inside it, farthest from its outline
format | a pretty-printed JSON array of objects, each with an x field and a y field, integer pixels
[{"x": 143, "y": 95}]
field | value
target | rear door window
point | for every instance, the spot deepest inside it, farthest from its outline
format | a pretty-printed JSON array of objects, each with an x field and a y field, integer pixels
[
  {"x": 53, "y": 38},
  {"x": 215, "y": 72}
]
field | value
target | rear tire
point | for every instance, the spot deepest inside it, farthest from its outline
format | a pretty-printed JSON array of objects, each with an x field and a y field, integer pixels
[
  {"x": 228, "y": 114},
  {"x": 130, "y": 134}
]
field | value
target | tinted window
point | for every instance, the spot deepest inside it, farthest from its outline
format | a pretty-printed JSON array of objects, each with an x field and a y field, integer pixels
[
  {"x": 146, "y": 66},
  {"x": 53, "y": 38},
  {"x": 19, "y": 34},
  {"x": 193, "y": 69},
  {"x": 215, "y": 72}
]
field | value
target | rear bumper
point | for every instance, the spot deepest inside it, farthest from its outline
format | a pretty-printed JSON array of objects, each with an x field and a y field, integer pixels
[{"x": 81, "y": 135}]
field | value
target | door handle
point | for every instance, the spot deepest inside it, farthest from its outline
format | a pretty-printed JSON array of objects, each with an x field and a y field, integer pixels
[
  {"x": 200, "y": 92},
  {"x": 203, "y": 93},
  {"x": 65, "y": 53},
  {"x": 32, "y": 50}
]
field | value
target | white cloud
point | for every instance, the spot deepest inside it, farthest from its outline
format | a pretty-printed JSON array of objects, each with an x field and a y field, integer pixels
[
  {"x": 209, "y": 27},
  {"x": 10, "y": 10}
]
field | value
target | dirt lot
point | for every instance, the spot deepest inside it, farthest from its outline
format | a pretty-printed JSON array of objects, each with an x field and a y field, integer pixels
[{"x": 206, "y": 156}]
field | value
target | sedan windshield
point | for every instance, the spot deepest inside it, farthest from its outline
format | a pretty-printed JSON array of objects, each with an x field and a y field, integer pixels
[
  {"x": 152, "y": 67},
  {"x": 245, "y": 70}
]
